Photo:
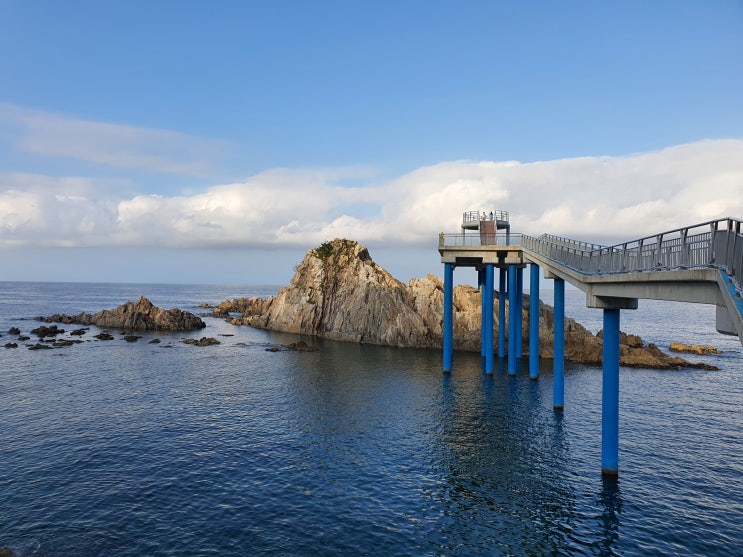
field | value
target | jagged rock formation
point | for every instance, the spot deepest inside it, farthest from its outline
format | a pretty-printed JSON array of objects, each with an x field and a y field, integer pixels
[
  {"x": 339, "y": 293},
  {"x": 134, "y": 316}
]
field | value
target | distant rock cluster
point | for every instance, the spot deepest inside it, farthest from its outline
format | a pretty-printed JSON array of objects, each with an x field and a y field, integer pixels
[
  {"x": 338, "y": 292},
  {"x": 134, "y": 316},
  {"x": 141, "y": 316}
]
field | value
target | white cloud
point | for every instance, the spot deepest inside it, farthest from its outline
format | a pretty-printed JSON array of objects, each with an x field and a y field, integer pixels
[
  {"x": 589, "y": 198},
  {"x": 153, "y": 150}
]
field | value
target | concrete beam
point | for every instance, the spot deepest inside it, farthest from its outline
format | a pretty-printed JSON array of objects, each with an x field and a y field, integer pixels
[
  {"x": 606, "y": 302},
  {"x": 514, "y": 258},
  {"x": 675, "y": 291},
  {"x": 724, "y": 321}
]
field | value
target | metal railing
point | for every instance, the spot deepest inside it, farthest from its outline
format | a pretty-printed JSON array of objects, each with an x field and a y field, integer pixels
[
  {"x": 478, "y": 240},
  {"x": 477, "y": 216},
  {"x": 717, "y": 243}
]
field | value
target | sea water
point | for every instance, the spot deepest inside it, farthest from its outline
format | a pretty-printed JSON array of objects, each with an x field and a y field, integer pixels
[{"x": 111, "y": 448}]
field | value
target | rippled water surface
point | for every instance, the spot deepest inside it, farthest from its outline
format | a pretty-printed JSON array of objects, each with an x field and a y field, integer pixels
[{"x": 120, "y": 449}]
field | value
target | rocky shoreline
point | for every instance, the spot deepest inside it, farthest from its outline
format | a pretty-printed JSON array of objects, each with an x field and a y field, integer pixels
[
  {"x": 140, "y": 316},
  {"x": 338, "y": 292}
]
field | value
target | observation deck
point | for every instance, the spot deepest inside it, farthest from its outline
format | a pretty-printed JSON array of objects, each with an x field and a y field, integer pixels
[{"x": 487, "y": 246}]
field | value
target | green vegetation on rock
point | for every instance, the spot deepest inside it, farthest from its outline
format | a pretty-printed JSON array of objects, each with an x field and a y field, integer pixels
[{"x": 324, "y": 251}]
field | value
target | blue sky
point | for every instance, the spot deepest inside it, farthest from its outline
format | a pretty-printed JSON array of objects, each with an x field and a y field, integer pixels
[{"x": 216, "y": 142}]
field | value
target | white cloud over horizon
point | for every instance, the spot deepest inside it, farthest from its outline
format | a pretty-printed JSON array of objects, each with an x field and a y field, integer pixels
[{"x": 589, "y": 198}]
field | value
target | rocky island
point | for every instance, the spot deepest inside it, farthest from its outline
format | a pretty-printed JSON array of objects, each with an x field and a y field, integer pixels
[
  {"x": 141, "y": 315},
  {"x": 338, "y": 292}
]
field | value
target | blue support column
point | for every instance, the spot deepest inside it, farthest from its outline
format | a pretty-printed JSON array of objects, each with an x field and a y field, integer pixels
[
  {"x": 488, "y": 321},
  {"x": 502, "y": 313},
  {"x": 519, "y": 311},
  {"x": 448, "y": 315},
  {"x": 512, "y": 319},
  {"x": 558, "y": 370},
  {"x": 610, "y": 395},
  {"x": 481, "y": 285},
  {"x": 534, "y": 321}
]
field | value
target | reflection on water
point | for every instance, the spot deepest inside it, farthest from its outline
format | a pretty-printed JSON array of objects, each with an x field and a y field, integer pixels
[
  {"x": 610, "y": 501},
  {"x": 132, "y": 449},
  {"x": 486, "y": 451}
]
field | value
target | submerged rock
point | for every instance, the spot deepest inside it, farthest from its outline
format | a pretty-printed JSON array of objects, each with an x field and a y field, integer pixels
[
  {"x": 338, "y": 292},
  {"x": 63, "y": 343},
  {"x": 39, "y": 346},
  {"x": 43, "y": 331},
  {"x": 301, "y": 346},
  {"x": 203, "y": 341},
  {"x": 135, "y": 316}
]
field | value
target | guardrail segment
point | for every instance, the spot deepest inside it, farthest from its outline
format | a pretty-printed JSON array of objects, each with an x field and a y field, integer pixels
[{"x": 717, "y": 243}]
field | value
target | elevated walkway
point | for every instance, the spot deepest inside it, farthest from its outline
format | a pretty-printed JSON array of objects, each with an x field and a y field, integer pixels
[
  {"x": 702, "y": 264},
  {"x": 699, "y": 264}
]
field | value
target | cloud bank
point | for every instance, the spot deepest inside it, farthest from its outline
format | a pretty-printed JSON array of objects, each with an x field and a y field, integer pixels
[{"x": 600, "y": 199}]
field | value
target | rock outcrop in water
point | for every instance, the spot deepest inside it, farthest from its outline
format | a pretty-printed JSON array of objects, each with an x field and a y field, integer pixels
[
  {"x": 693, "y": 348},
  {"x": 134, "y": 316},
  {"x": 338, "y": 292}
]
